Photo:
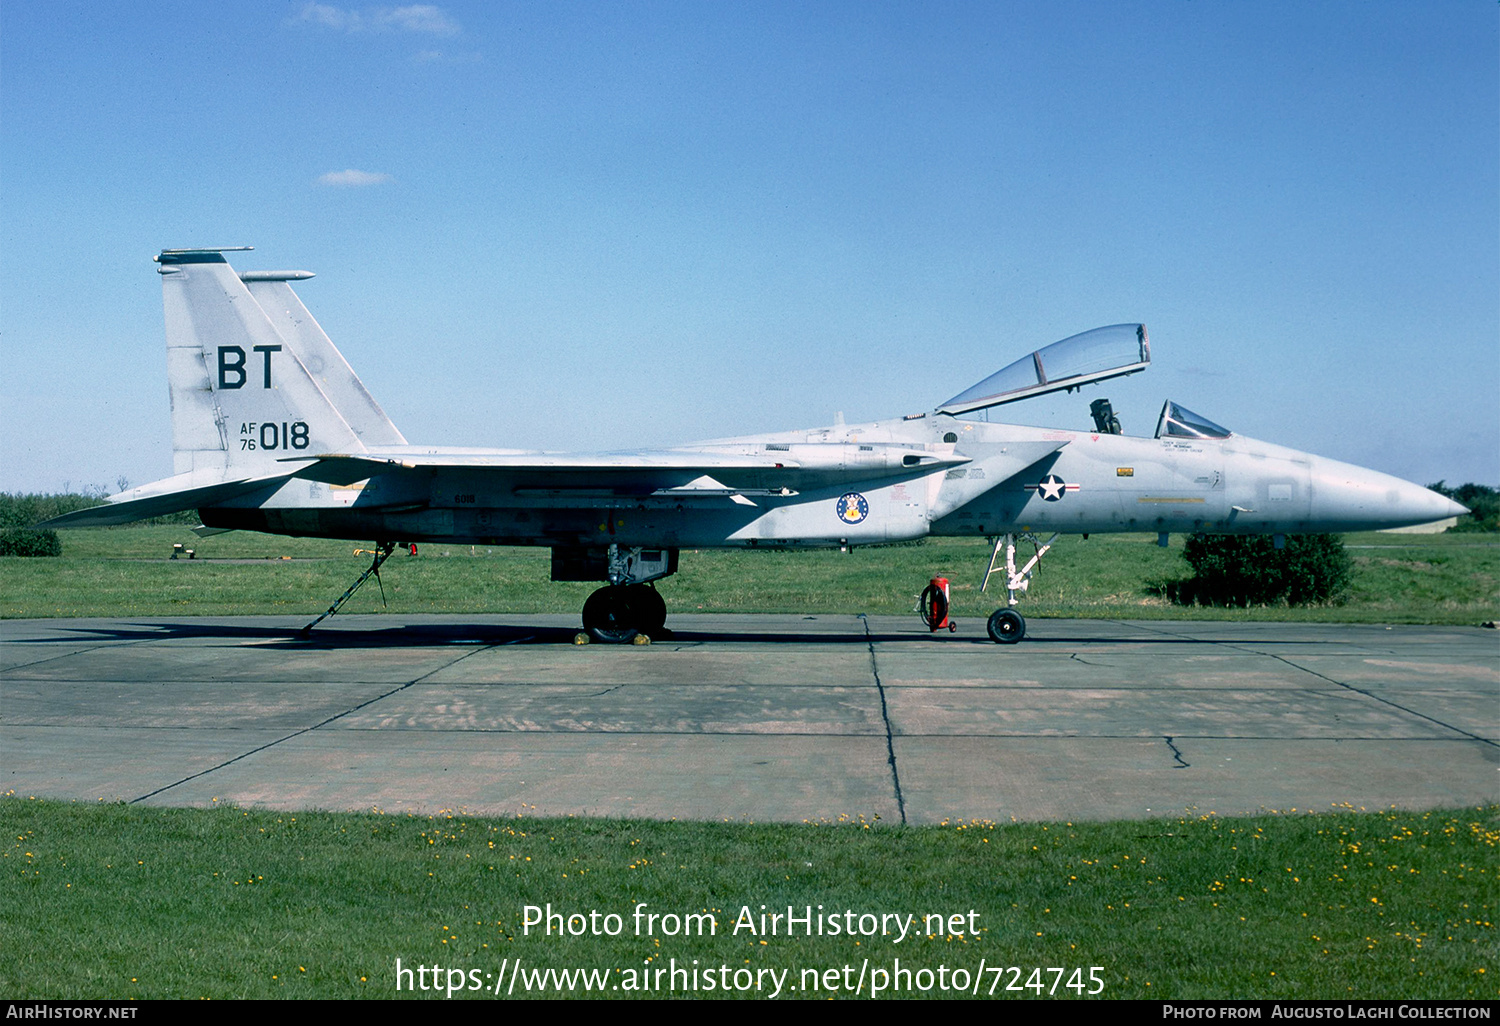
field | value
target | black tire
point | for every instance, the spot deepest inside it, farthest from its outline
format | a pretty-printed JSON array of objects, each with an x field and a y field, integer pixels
[
  {"x": 608, "y": 616},
  {"x": 1007, "y": 627},
  {"x": 934, "y": 606},
  {"x": 648, "y": 608}
]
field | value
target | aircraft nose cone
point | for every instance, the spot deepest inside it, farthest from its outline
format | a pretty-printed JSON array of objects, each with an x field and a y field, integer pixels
[
  {"x": 1445, "y": 506},
  {"x": 1372, "y": 500}
]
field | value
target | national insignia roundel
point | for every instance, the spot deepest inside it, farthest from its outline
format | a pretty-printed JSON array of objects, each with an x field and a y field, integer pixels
[{"x": 1052, "y": 488}]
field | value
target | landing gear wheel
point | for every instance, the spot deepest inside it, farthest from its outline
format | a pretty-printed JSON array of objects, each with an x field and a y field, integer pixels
[
  {"x": 1007, "y": 626},
  {"x": 609, "y": 616},
  {"x": 648, "y": 608}
]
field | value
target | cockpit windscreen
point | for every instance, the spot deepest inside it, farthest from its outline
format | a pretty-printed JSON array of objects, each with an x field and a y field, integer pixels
[{"x": 1180, "y": 422}]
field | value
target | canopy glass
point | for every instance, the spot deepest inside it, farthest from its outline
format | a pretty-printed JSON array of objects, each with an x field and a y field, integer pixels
[{"x": 1096, "y": 355}]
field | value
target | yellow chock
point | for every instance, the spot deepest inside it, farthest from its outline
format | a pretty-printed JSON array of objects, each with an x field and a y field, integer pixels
[
  {"x": 641, "y": 639},
  {"x": 581, "y": 638}
]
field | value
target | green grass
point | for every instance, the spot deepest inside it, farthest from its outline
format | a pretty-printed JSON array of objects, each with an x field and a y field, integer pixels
[
  {"x": 1446, "y": 579},
  {"x": 133, "y": 902}
]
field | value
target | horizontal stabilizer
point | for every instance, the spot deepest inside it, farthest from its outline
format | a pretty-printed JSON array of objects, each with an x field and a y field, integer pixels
[{"x": 129, "y": 510}]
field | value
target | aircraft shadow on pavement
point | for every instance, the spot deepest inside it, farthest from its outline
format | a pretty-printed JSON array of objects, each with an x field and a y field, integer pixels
[{"x": 491, "y": 634}]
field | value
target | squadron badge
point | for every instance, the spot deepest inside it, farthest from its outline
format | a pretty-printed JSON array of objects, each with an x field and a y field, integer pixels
[{"x": 852, "y": 507}]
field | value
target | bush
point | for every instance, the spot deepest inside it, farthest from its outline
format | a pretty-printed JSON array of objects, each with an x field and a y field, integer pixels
[
  {"x": 26, "y": 542},
  {"x": 1248, "y": 570},
  {"x": 25, "y": 510}
]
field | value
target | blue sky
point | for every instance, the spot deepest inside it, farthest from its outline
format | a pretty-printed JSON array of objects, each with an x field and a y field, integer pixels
[{"x": 610, "y": 225}]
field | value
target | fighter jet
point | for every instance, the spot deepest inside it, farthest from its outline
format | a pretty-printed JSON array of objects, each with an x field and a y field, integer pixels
[{"x": 272, "y": 431}]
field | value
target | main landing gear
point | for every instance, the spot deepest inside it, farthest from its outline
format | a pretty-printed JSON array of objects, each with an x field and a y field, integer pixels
[
  {"x": 616, "y": 613},
  {"x": 629, "y": 606},
  {"x": 1006, "y": 626}
]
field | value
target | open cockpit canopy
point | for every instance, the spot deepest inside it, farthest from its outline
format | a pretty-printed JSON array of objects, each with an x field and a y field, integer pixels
[
  {"x": 1180, "y": 422},
  {"x": 1096, "y": 355}
]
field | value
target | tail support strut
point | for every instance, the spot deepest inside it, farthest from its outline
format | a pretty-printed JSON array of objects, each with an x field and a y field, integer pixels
[{"x": 383, "y": 553}]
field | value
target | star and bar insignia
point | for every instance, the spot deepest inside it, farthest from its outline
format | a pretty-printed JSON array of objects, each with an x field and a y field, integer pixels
[{"x": 1051, "y": 488}]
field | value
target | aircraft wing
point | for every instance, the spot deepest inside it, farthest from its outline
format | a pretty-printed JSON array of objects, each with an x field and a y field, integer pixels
[
  {"x": 783, "y": 468},
  {"x": 347, "y": 468}
]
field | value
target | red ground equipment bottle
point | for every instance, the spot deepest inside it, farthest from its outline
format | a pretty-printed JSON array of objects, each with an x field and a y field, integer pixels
[{"x": 935, "y": 606}]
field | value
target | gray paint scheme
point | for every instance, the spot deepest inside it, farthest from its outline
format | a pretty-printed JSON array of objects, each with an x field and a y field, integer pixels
[{"x": 272, "y": 431}]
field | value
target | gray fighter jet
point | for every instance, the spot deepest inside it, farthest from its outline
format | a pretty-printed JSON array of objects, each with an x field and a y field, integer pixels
[{"x": 272, "y": 431}]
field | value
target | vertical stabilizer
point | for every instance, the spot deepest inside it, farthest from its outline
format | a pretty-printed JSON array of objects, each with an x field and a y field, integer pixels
[
  {"x": 318, "y": 354},
  {"x": 242, "y": 399}
]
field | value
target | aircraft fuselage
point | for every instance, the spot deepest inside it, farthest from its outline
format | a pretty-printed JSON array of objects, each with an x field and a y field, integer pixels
[{"x": 1092, "y": 483}]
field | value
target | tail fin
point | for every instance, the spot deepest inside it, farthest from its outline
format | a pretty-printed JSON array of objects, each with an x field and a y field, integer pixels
[
  {"x": 253, "y": 384},
  {"x": 318, "y": 354}
]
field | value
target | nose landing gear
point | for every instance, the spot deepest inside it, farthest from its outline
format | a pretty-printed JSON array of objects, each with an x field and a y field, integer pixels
[{"x": 1006, "y": 626}]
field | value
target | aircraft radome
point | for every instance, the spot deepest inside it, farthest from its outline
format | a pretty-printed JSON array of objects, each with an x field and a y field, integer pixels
[{"x": 272, "y": 431}]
